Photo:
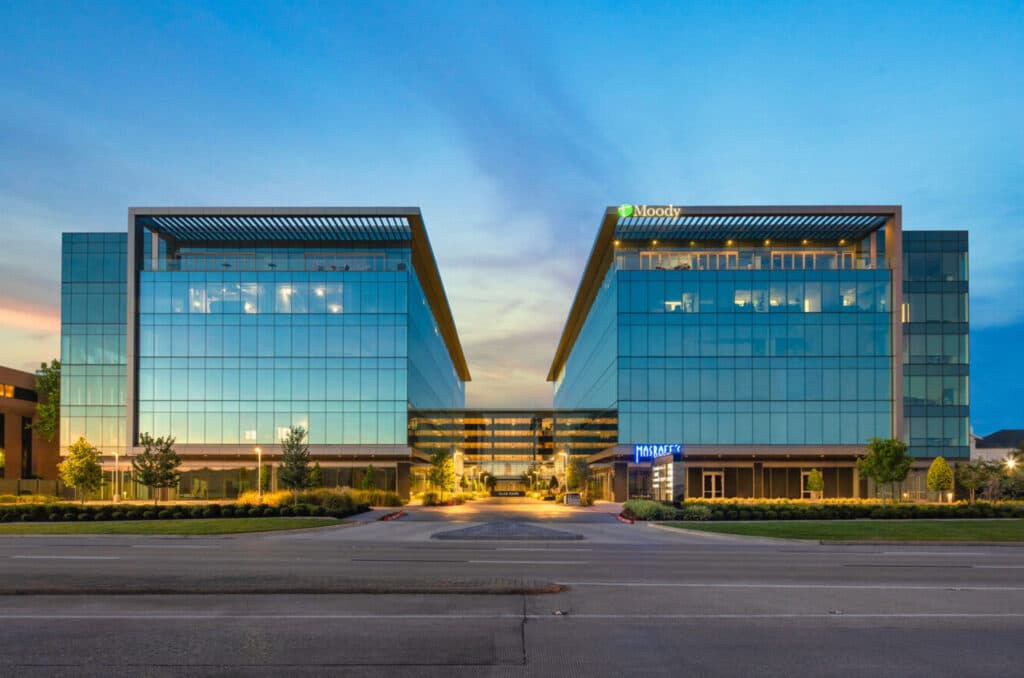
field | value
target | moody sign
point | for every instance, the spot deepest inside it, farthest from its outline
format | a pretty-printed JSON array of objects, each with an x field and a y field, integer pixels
[{"x": 647, "y": 451}]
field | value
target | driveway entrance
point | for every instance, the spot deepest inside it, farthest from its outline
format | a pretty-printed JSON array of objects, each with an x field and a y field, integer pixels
[{"x": 514, "y": 508}]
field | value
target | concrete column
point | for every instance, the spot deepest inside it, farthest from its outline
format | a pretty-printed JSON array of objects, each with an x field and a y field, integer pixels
[
  {"x": 758, "y": 490},
  {"x": 620, "y": 481},
  {"x": 403, "y": 481},
  {"x": 856, "y": 483}
]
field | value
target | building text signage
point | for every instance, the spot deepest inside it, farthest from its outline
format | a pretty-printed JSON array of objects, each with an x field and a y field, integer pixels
[{"x": 646, "y": 451}]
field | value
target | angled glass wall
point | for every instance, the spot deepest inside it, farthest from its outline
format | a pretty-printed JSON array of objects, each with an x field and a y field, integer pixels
[{"x": 93, "y": 357}]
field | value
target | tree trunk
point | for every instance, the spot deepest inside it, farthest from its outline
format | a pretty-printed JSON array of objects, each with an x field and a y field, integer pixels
[{"x": 972, "y": 494}]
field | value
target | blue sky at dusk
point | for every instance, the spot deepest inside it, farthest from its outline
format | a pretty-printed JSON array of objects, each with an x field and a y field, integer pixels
[{"x": 512, "y": 126}]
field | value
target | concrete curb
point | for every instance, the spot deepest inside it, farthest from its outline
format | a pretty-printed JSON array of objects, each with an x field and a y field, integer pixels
[
  {"x": 883, "y": 542},
  {"x": 721, "y": 536}
]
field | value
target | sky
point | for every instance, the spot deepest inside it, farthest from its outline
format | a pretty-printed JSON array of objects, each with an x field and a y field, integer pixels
[{"x": 512, "y": 126}]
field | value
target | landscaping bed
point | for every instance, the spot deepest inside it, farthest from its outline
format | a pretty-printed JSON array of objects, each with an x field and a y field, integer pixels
[
  {"x": 871, "y": 530},
  {"x": 122, "y": 512},
  {"x": 836, "y": 509},
  {"x": 199, "y": 526}
]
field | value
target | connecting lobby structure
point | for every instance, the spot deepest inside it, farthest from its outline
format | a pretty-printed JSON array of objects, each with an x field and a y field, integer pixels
[{"x": 709, "y": 351}]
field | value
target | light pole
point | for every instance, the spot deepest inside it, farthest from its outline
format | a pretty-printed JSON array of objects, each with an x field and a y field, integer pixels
[{"x": 259, "y": 473}]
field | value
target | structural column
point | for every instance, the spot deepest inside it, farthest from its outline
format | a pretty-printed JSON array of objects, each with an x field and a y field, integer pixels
[
  {"x": 620, "y": 481},
  {"x": 403, "y": 484}
]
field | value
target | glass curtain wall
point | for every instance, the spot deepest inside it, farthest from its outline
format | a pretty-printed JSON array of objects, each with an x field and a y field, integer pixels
[
  {"x": 93, "y": 321},
  {"x": 237, "y": 357},
  {"x": 789, "y": 357},
  {"x": 935, "y": 343}
]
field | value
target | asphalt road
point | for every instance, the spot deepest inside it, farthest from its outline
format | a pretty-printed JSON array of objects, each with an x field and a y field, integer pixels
[{"x": 632, "y": 600}]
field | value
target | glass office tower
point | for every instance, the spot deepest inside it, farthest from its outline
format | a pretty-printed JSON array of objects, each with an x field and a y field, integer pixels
[
  {"x": 766, "y": 342},
  {"x": 236, "y": 324}
]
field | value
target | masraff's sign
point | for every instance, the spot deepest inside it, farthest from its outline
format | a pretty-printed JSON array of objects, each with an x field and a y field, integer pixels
[{"x": 648, "y": 451}]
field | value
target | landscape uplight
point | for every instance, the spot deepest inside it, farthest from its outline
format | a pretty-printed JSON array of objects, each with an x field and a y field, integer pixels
[{"x": 1011, "y": 463}]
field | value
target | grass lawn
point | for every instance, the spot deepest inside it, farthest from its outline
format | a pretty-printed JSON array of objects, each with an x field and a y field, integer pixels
[
  {"x": 186, "y": 526},
  {"x": 895, "y": 530}
]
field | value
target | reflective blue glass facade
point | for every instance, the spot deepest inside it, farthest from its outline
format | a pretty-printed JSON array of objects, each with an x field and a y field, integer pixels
[
  {"x": 936, "y": 401},
  {"x": 93, "y": 351},
  {"x": 241, "y": 327},
  {"x": 754, "y": 357}
]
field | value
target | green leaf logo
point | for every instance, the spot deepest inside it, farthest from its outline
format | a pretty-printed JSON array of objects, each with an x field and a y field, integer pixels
[{"x": 625, "y": 211}]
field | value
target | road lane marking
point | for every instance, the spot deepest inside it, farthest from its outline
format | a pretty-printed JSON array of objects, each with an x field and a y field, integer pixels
[
  {"x": 512, "y": 616},
  {"x": 541, "y": 549},
  {"x": 998, "y": 567},
  {"x": 172, "y": 546},
  {"x": 67, "y": 557},
  {"x": 528, "y": 562},
  {"x": 931, "y": 553},
  {"x": 857, "y": 587}
]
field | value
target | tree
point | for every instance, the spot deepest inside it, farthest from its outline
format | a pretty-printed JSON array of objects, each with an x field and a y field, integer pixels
[
  {"x": 157, "y": 465},
  {"x": 815, "y": 483},
  {"x": 295, "y": 471},
  {"x": 265, "y": 473},
  {"x": 369, "y": 481},
  {"x": 553, "y": 484},
  {"x": 975, "y": 474},
  {"x": 442, "y": 472},
  {"x": 316, "y": 476},
  {"x": 81, "y": 468},
  {"x": 47, "y": 421},
  {"x": 886, "y": 462},
  {"x": 577, "y": 475},
  {"x": 940, "y": 477}
]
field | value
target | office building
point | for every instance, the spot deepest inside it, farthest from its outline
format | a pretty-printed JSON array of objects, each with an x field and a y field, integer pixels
[
  {"x": 25, "y": 455},
  {"x": 749, "y": 345},
  {"x": 225, "y": 327}
]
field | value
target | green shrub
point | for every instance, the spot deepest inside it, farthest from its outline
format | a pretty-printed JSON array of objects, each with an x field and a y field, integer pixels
[
  {"x": 696, "y": 512},
  {"x": 644, "y": 509},
  {"x": 117, "y": 515},
  {"x": 84, "y": 516},
  {"x": 285, "y": 511},
  {"x": 431, "y": 499},
  {"x": 164, "y": 514},
  {"x": 179, "y": 515},
  {"x": 317, "y": 511},
  {"x": 208, "y": 513},
  {"x": 301, "y": 509},
  {"x": 133, "y": 514},
  {"x": 717, "y": 515},
  {"x": 68, "y": 516},
  {"x": 743, "y": 514},
  {"x": 227, "y": 512},
  {"x": 255, "y": 512},
  {"x": 270, "y": 512},
  {"x": 732, "y": 515},
  {"x": 26, "y": 517},
  {"x": 55, "y": 517}
]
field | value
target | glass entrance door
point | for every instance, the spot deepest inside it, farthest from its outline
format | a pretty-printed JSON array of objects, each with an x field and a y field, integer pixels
[{"x": 714, "y": 484}]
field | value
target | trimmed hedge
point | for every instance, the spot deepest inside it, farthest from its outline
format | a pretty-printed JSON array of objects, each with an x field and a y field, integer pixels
[
  {"x": 77, "y": 512},
  {"x": 642, "y": 509}
]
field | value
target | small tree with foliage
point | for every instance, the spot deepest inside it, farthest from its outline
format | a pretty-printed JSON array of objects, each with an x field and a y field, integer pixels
[
  {"x": 47, "y": 421},
  {"x": 815, "y": 483},
  {"x": 577, "y": 476},
  {"x": 553, "y": 484},
  {"x": 295, "y": 471},
  {"x": 442, "y": 472},
  {"x": 940, "y": 477},
  {"x": 369, "y": 481},
  {"x": 157, "y": 465},
  {"x": 316, "y": 475},
  {"x": 886, "y": 462},
  {"x": 81, "y": 468},
  {"x": 975, "y": 474},
  {"x": 265, "y": 473}
]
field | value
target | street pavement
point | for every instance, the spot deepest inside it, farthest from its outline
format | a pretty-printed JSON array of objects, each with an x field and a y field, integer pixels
[{"x": 376, "y": 598}]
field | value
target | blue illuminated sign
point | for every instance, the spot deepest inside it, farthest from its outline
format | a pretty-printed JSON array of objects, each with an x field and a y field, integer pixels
[{"x": 647, "y": 451}]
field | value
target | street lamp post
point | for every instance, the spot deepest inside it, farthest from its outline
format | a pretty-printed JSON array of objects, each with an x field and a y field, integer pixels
[{"x": 259, "y": 473}]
